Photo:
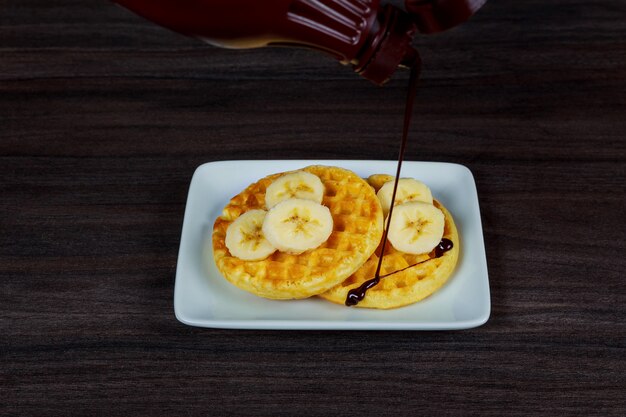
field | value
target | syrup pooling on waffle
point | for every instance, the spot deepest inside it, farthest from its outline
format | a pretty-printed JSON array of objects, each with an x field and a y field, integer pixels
[{"x": 357, "y": 229}]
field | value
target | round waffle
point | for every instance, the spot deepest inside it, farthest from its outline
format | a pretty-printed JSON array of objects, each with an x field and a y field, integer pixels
[
  {"x": 405, "y": 278},
  {"x": 357, "y": 230}
]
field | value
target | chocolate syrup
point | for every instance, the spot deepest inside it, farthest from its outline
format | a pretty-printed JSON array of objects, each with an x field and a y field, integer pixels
[
  {"x": 356, "y": 295},
  {"x": 443, "y": 246}
]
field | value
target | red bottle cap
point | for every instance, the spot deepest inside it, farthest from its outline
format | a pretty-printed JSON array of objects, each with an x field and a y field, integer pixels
[{"x": 438, "y": 15}]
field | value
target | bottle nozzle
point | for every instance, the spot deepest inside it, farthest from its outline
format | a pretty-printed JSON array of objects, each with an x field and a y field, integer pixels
[
  {"x": 411, "y": 59},
  {"x": 390, "y": 47}
]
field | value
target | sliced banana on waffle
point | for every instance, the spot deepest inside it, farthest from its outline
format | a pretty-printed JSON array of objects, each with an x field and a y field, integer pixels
[
  {"x": 297, "y": 225},
  {"x": 245, "y": 239},
  {"x": 409, "y": 189},
  {"x": 298, "y": 184},
  {"x": 378, "y": 180},
  {"x": 416, "y": 227}
]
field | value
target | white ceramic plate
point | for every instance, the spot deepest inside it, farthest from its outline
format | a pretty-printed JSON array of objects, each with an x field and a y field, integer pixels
[{"x": 202, "y": 297}]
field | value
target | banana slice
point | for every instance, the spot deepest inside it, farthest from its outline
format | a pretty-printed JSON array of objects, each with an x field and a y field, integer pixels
[
  {"x": 409, "y": 189},
  {"x": 378, "y": 180},
  {"x": 416, "y": 227},
  {"x": 245, "y": 239},
  {"x": 297, "y": 225},
  {"x": 298, "y": 184}
]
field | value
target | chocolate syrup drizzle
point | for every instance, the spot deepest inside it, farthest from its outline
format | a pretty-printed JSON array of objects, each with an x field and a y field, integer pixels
[{"x": 356, "y": 295}]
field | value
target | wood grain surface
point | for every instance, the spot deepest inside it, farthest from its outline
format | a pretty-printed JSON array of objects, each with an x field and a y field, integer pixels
[{"x": 105, "y": 116}]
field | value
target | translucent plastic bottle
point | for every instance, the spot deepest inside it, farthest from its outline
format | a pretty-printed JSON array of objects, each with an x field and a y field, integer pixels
[{"x": 373, "y": 36}]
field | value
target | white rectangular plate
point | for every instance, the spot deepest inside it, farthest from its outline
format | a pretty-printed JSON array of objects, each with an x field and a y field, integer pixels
[{"x": 202, "y": 297}]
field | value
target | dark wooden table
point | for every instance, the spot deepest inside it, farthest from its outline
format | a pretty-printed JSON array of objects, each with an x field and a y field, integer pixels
[{"x": 104, "y": 117}]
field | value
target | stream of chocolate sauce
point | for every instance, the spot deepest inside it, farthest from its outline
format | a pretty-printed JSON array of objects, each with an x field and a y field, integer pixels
[{"x": 356, "y": 295}]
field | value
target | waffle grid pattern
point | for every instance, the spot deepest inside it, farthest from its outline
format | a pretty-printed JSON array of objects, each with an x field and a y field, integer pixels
[
  {"x": 357, "y": 230},
  {"x": 412, "y": 277}
]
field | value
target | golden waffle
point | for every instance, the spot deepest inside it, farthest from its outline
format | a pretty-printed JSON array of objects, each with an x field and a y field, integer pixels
[
  {"x": 412, "y": 277},
  {"x": 357, "y": 230}
]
